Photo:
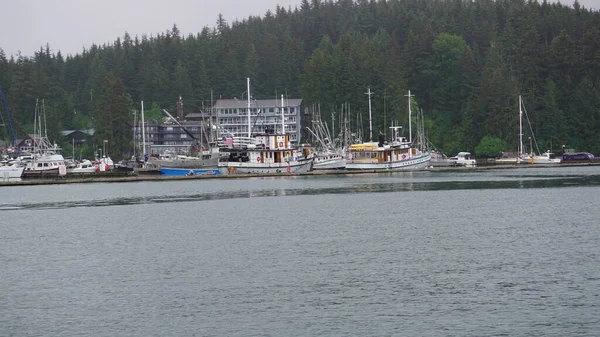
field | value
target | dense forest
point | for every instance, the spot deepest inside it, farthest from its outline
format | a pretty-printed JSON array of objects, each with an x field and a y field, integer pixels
[{"x": 466, "y": 62}]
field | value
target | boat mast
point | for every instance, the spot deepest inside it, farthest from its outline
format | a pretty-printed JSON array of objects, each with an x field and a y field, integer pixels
[
  {"x": 282, "y": 117},
  {"x": 409, "y": 117},
  {"x": 369, "y": 92},
  {"x": 248, "y": 96},
  {"x": 143, "y": 133},
  {"x": 520, "y": 127}
]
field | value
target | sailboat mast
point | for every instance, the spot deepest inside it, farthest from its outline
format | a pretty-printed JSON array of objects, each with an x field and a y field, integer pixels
[
  {"x": 369, "y": 92},
  {"x": 143, "y": 132},
  {"x": 248, "y": 96},
  {"x": 520, "y": 127}
]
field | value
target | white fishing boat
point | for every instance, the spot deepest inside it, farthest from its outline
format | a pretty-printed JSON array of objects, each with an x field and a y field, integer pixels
[
  {"x": 531, "y": 157},
  {"x": 327, "y": 161},
  {"x": 46, "y": 160},
  {"x": 328, "y": 155},
  {"x": 263, "y": 153},
  {"x": 399, "y": 154}
]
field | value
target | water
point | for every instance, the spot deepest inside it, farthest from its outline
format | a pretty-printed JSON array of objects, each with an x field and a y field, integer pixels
[{"x": 488, "y": 253}]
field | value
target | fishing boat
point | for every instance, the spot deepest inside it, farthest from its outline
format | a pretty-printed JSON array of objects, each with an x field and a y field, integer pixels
[
  {"x": 171, "y": 163},
  {"x": 206, "y": 162},
  {"x": 397, "y": 154},
  {"x": 265, "y": 152},
  {"x": 327, "y": 156},
  {"x": 532, "y": 157},
  {"x": 46, "y": 159}
]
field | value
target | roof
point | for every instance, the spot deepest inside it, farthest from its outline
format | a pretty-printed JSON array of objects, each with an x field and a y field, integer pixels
[
  {"x": 89, "y": 132},
  {"x": 259, "y": 103}
]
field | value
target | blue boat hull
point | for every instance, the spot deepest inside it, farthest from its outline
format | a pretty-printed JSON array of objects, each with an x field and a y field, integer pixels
[{"x": 187, "y": 172}]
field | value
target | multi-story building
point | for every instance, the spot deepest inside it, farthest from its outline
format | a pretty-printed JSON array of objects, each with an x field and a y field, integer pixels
[
  {"x": 232, "y": 116},
  {"x": 227, "y": 118}
]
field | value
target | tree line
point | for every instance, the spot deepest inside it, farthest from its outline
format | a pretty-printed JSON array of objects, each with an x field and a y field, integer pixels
[{"x": 466, "y": 62}]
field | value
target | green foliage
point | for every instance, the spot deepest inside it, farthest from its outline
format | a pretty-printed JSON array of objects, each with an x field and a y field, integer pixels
[
  {"x": 466, "y": 62},
  {"x": 490, "y": 147},
  {"x": 114, "y": 110}
]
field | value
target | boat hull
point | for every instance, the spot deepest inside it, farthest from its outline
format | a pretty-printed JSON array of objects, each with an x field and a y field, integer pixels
[
  {"x": 228, "y": 168},
  {"x": 331, "y": 164},
  {"x": 11, "y": 172},
  {"x": 174, "y": 171},
  {"x": 192, "y": 164},
  {"x": 412, "y": 163}
]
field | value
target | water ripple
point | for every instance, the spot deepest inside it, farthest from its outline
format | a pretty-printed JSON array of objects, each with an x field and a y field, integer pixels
[{"x": 523, "y": 182}]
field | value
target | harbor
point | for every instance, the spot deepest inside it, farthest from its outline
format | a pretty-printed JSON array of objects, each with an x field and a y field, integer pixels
[{"x": 116, "y": 177}]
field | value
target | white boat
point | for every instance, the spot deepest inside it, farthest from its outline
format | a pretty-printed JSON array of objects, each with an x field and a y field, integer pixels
[
  {"x": 532, "y": 157},
  {"x": 441, "y": 160},
  {"x": 464, "y": 159},
  {"x": 46, "y": 164},
  {"x": 328, "y": 155},
  {"x": 83, "y": 167},
  {"x": 399, "y": 154},
  {"x": 11, "y": 171},
  {"x": 327, "y": 161},
  {"x": 263, "y": 153},
  {"x": 46, "y": 161}
]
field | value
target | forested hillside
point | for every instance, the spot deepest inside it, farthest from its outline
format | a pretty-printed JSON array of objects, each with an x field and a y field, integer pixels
[{"x": 466, "y": 62}]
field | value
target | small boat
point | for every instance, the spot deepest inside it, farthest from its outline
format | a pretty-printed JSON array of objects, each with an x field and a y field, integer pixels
[
  {"x": 441, "y": 160},
  {"x": 11, "y": 171},
  {"x": 83, "y": 167},
  {"x": 464, "y": 159}
]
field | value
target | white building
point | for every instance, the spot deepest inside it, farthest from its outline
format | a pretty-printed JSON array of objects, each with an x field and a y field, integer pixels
[{"x": 232, "y": 116}]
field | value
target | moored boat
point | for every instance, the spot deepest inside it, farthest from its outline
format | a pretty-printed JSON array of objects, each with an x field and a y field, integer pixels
[
  {"x": 265, "y": 154},
  {"x": 399, "y": 154},
  {"x": 11, "y": 171}
]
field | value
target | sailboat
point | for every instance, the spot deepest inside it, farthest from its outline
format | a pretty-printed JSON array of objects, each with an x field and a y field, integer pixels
[
  {"x": 531, "y": 157},
  {"x": 399, "y": 154}
]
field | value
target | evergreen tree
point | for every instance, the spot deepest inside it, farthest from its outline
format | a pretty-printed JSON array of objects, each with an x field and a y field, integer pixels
[{"x": 113, "y": 115}]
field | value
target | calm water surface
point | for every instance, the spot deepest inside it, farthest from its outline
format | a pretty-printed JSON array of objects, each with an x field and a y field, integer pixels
[{"x": 467, "y": 253}]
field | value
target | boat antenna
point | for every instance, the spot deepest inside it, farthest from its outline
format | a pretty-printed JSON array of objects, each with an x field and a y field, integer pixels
[
  {"x": 248, "y": 97},
  {"x": 409, "y": 117},
  {"x": 143, "y": 133},
  {"x": 282, "y": 116}
]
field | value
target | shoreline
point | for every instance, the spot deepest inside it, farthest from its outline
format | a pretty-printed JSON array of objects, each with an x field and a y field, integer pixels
[{"x": 117, "y": 178}]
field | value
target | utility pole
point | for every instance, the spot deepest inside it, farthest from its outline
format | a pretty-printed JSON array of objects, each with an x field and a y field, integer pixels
[{"x": 369, "y": 92}]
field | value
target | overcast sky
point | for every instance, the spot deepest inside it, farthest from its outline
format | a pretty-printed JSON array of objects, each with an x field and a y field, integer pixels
[{"x": 69, "y": 25}]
